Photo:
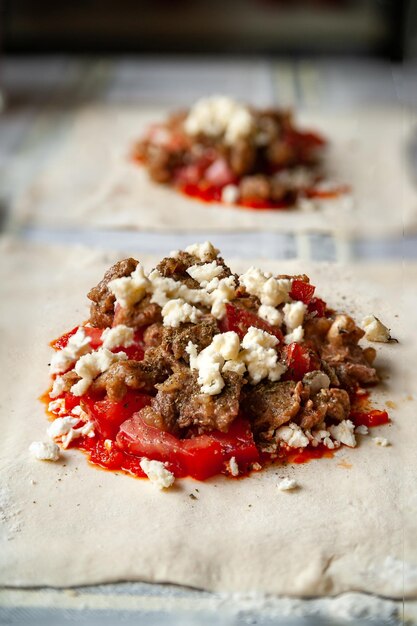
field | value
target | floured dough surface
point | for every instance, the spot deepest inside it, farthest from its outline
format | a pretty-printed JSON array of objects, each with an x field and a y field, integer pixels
[
  {"x": 89, "y": 181},
  {"x": 350, "y": 526}
]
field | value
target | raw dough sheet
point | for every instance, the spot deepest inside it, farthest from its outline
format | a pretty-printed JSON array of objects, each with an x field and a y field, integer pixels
[
  {"x": 351, "y": 525},
  {"x": 89, "y": 181}
]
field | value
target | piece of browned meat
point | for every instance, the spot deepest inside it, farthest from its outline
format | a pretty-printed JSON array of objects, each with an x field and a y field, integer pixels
[
  {"x": 257, "y": 186},
  {"x": 270, "y": 405},
  {"x": 142, "y": 313},
  {"x": 327, "y": 403},
  {"x": 179, "y": 404},
  {"x": 336, "y": 340},
  {"x": 352, "y": 364},
  {"x": 153, "y": 334},
  {"x": 176, "y": 267},
  {"x": 102, "y": 307},
  {"x": 138, "y": 375},
  {"x": 175, "y": 340},
  {"x": 242, "y": 157}
]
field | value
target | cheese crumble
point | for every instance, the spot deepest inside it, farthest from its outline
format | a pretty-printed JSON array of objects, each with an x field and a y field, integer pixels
[
  {"x": 176, "y": 312},
  {"x": 344, "y": 433},
  {"x": 260, "y": 356},
  {"x": 270, "y": 291},
  {"x": 203, "y": 274},
  {"x": 120, "y": 336},
  {"x": 129, "y": 290},
  {"x": 44, "y": 450},
  {"x": 89, "y": 366},
  {"x": 287, "y": 484},
  {"x": 157, "y": 473},
  {"x": 375, "y": 330},
  {"x": 78, "y": 345},
  {"x": 219, "y": 116}
]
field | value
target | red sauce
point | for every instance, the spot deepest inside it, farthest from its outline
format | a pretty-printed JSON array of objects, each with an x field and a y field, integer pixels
[{"x": 212, "y": 193}]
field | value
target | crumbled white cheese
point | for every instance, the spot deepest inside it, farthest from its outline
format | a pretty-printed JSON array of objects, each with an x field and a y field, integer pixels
[
  {"x": 211, "y": 361},
  {"x": 316, "y": 380},
  {"x": 78, "y": 344},
  {"x": 233, "y": 467},
  {"x": 44, "y": 450},
  {"x": 176, "y": 312},
  {"x": 129, "y": 290},
  {"x": 165, "y": 289},
  {"x": 203, "y": 274},
  {"x": 294, "y": 313},
  {"x": 362, "y": 429},
  {"x": 220, "y": 293},
  {"x": 58, "y": 387},
  {"x": 203, "y": 251},
  {"x": 89, "y": 366},
  {"x": 292, "y": 435},
  {"x": 322, "y": 436},
  {"x": 296, "y": 336},
  {"x": 270, "y": 291},
  {"x": 157, "y": 473},
  {"x": 380, "y": 441},
  {"x": 108, "y": 444},
  {"x": 63, "y": 427},
  {"x": 287, "y": 484},
  {"x": 230, "y": 194},
  {"x": 219, "y": 115},
  {"x": 270, "y": 314},
  {"x": 344, "y": 433},
  {"x": 375, "y": 330},
  {"x": 260, "y": 356},
  {"x": 57, "y": 407},
  {"x": 119, "y": 336}
]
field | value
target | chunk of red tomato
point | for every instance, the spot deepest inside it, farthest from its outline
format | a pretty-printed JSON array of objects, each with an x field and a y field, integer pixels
[
  {"x": 317, "y": 307},
  {"x": 238, "y": 442},
  {"x": 108, "y": 415},
  {"x": 240, "y": 320},
  {"x": 301, "y": 290},
  {"x": 299, "y": 360},
  {"x": 199, "y": 457}
]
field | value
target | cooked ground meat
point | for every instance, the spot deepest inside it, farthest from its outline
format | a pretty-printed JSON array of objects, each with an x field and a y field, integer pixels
[
  {"x": 336, "y": 341},
  {"x": 242, "y": 157},
  {"x": 139, "y": 375},
  {"x": 270, "y": 405},
  {"x": 327, "y": 403},
  {"x": 70, "y": 378},
  {"x": 102, "y": 307},
  {"x": 176, "y": 267},
  {"x": 161, "y": 163},
  {"x": 140, "y": 314},
  {"x": 252, "y": 187},
  {"x": 153, "y": 335},
  {"x": 179, "y": 404},
  {"x": 175, "y": 340},
  {"x": 338, "y": 403}
]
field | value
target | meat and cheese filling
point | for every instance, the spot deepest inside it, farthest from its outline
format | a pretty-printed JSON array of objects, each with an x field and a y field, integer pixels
[
  {"x": 203, "y": 370},
  {"x": 221, "y": 150}
]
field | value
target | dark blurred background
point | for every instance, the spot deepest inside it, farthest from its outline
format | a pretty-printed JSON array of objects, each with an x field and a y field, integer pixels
[{"x": 384, "y": 28}]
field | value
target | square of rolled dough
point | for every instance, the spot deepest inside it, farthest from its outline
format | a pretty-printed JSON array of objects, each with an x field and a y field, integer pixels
[
  {"x": 350, "y": 526},
  {"x": 89, "y": 179}
]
